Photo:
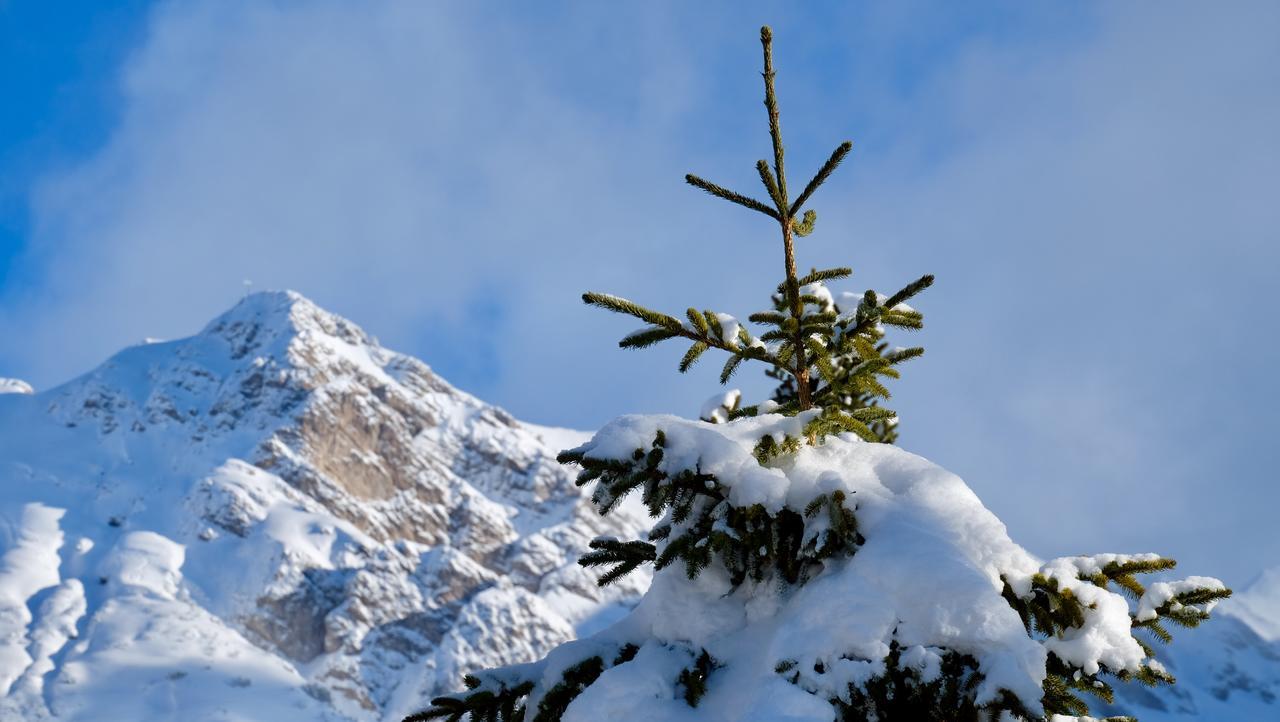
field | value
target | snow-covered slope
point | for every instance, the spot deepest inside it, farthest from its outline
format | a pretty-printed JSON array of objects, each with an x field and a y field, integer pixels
[{"x": 277, "y": 519}]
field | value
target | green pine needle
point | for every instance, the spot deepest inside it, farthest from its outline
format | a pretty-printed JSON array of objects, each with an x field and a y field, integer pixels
[
  {"x": 692, "y": 355},
  {"x": 730, "y": 196},
  {"x": 821, "y": 176}
]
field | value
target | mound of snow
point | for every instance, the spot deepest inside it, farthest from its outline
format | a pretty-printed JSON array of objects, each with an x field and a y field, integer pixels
[{"x": 928, "y": 579}]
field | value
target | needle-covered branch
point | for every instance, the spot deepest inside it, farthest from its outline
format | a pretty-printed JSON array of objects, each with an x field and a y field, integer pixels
[
  {"x": 625, "y": 556},
  {"x": 1056, "y": 601},
  {"x": 823, "y": 173},
  {"x": 705, "y": 329},
  {"x": 731, "y": 196},
  {"x": 504, "y": 704}
]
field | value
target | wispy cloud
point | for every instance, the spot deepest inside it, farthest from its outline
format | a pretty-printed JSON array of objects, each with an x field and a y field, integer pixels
[{"x": 1095, "y": 191}]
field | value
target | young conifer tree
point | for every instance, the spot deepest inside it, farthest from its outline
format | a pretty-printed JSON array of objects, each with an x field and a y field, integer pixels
[
  {"x": 802, "y": 573},
  {"x": 724, "y": 406}
]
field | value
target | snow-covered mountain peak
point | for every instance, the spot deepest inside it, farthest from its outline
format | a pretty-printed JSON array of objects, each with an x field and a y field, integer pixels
[
  {"x": 1258, "y": 605},
  {"x": 291, "y": 495},
  {"x": 267, "y": 354},
  {"x": 268, "y": 322}
]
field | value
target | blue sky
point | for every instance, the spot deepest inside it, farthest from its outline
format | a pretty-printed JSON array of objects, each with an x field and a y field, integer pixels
[
  {"x": 1093, "y": 184},
  {"x": 57, "y": 66}
]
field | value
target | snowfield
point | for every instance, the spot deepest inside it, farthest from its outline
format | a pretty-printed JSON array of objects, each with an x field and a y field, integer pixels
[{"x": 278, "y": 519}]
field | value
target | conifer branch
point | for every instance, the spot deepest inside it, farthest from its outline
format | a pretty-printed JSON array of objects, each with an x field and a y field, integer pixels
[
  {"x": 771, "y": 104},
  {"x": 731, "y": 196},
  {"x": 692, "y": 355},
  {"x": 729, "y": 367},
  {"x": 823, "y": 173},
  {"x": 906, "y": 354},
  {"x": 622, "y": 305},
  {"x": 696, "y": 319},
  {"x": 827, "y": 274},
  {"x": 646, "y": 337},
  {"x": 770, "y": 183},
  {"x": 910, "y": 290},
  {"x": 626, "y": 556},
  {"x": 805, "y": 226}
]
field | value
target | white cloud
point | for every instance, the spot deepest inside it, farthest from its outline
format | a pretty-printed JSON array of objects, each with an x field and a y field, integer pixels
[{"x": 1095, "y": 194}]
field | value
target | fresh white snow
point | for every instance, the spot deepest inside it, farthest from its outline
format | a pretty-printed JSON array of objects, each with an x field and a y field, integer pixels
[
  {"x": 716, "y": 408},
  {"x": 929, "y": 577},
  {"x": 29, "y": 565}
]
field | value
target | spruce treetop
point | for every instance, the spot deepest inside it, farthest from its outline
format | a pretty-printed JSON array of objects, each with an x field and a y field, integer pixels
[{"x": 825, "y": 354}]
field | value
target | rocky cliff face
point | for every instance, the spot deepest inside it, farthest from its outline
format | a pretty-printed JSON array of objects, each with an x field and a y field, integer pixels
[{"x": 282, "y": 511}]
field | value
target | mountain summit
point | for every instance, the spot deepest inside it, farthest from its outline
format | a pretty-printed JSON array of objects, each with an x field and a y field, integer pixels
[{"x": 277, "y": 517}]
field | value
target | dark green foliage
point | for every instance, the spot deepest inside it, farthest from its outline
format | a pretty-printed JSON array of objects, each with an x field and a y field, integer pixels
[
  {"x": 484, "y": 705},
  {"x": 857, "y": 356},
  {"x": 730, "y": 196},
  {"x": 823, "y": 173},
  {"x": 694, "y": 678},
  {"x": 749, "y": 542},
  {"x": 575, "y": 679},
  {"x": 902, "y": 694},
  {"x": 507, "y": 703},
  {"x": 626, "y": 654},
  {"x": 625, "y": 555}
]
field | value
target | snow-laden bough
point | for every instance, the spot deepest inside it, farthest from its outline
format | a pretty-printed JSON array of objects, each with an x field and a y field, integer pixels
[{"x": 749, "y": 619}]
